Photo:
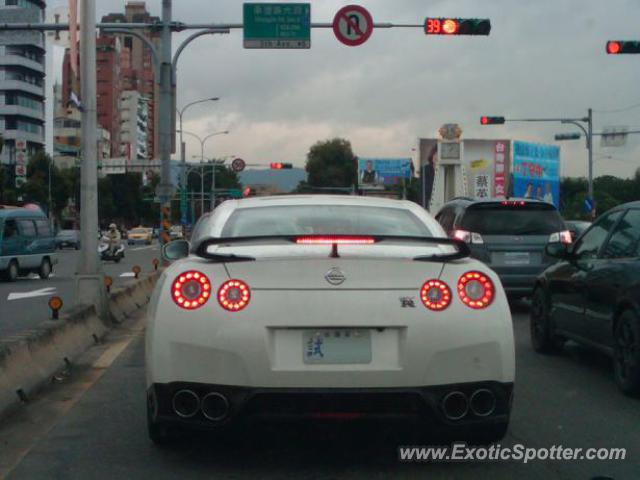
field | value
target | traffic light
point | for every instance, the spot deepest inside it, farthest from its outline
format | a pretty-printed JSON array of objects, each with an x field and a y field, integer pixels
[
  {"x": 617, "y": 47},
  {"x": 281, "y": 166},
  {"x": 492, "y": 120},
  {"x": 457, "y": 26}
]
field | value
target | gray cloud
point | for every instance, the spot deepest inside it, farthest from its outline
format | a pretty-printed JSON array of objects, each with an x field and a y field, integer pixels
[{"x": 543, "y": 58}]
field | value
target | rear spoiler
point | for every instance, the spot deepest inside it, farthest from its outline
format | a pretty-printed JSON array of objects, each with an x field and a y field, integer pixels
[{"x": 462, "y": 249}]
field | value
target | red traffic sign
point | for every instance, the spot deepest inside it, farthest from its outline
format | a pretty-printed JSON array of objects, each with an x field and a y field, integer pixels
[
  {"x": 353, "y": 25},
  {"x": 238, "y": 165}
]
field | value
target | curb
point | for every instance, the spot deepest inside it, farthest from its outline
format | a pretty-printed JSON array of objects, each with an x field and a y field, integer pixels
[{"x": 30, "y": 359}]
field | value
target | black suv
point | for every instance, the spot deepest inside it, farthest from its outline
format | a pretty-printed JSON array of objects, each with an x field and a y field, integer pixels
[{"x": 510, "y": 236}]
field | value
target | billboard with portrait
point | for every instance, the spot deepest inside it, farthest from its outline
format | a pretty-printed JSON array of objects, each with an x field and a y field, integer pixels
[
  {"x": 536, "y": 171},
  {"x": 377, "y": 173}
]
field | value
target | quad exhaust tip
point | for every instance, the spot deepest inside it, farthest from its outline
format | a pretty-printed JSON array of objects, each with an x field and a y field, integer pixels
[
  {"x": 186, "y": 403},
  {"x": 455, "y": 405},
  {"x": 483, "y": 402},
  {"x": 215, "y": 406}
]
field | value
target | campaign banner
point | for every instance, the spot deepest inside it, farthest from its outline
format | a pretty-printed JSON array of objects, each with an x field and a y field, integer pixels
[
  {"x": 487, "y": 167},
  {"x": 381, "y": 172},
  {"x": 536, "y": 171}
]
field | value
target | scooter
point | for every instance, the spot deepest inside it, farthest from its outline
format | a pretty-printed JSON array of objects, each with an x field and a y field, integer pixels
[{"x": 110, "y": 254}]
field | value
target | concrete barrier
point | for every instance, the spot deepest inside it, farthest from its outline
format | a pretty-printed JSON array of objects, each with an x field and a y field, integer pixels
[{"x": 29, "y": 360}]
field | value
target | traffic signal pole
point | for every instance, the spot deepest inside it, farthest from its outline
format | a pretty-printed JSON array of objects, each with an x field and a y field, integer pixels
[{"x": 583, "y": 123}]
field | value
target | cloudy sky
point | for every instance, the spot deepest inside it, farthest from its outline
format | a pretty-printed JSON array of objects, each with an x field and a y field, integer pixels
[{"x": 544, "y": 58}]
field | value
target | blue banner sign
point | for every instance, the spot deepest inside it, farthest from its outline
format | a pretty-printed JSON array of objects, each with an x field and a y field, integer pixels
[{"x": 536, "y": 171}]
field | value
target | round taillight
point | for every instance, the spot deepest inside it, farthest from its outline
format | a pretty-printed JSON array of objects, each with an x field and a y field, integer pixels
[
  {"x": 191, "y": 290},
  {"x": 476, "y": 290},
  {"x": 234, "y": 295},
  {"x": 435, "y": 295}
]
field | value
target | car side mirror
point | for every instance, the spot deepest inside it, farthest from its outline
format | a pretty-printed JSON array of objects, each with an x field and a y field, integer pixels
[
  {"x": 558, "y": 250},
  {"x": 175, "y": 250}
]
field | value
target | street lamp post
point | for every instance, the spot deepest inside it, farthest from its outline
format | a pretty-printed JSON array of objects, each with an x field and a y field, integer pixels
[
  {"x": 203, "y": 141},
  {"x": 183, "y": 159}
]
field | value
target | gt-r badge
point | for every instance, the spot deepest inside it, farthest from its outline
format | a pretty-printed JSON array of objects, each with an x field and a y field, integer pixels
[
  {"x": 407, "y": 302},
  {"x": 335, "y": 276}
]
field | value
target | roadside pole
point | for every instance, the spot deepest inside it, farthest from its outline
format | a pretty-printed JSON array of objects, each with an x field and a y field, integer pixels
[
  {"x": 165, "y": 123},
  {"x": 590, "y": 147},
  {"x": 89, "y": 281}
]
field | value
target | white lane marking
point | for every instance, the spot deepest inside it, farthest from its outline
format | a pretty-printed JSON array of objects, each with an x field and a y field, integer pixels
[
  {"x": 128, "y": 274},
  {"x": 34, "y": 293}
]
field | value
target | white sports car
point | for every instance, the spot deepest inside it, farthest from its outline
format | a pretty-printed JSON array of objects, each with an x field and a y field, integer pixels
[{"x": 328, "y": 307}]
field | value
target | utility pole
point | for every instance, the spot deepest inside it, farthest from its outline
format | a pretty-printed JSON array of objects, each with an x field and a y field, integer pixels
[
  {"x": 89, "y": 283},
  {"x": 590, "y": 147},
  {"x": 165, "y": 123}
]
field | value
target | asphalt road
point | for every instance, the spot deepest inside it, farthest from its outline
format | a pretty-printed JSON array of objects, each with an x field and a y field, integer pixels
[
  {"x": 95, "y": 428},
  {"x": 23, "y": 304}
]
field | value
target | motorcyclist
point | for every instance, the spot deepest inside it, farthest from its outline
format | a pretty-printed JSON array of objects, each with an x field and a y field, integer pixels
[{"x": 113, "y": 237}]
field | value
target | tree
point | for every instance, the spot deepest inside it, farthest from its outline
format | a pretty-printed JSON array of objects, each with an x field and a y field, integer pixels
[{"x": 331, "y": 163}]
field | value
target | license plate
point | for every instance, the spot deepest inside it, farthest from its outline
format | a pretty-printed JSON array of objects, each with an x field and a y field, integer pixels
[
  {"x": 336, "y": 346},
  {"x": 517, "y": 258}
]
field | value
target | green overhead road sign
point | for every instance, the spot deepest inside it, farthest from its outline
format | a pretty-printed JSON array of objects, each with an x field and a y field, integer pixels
[{"x": 277, "y": 25}]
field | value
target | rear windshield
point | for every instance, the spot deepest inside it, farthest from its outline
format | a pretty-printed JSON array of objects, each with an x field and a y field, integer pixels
[
  {"x": 324, "y": 220},
  {"x": 498, "y": 219},
  {"x": 139, "y": 230}
]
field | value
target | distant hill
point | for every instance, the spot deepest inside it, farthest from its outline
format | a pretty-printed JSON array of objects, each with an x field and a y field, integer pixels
[{"x": 285, "y": 180}]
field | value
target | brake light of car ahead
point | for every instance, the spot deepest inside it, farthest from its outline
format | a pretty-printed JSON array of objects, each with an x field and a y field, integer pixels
[
  {"x": 468, "y": 237},
  {"x": 476, "y": 290},
  {"x": 335, "y": 240},
  {"x": 435, "y": 295},
  {"x": 234, "y": 295},
  {"x": 562, "y": 237},
  {"x": 191, "y": 290}
]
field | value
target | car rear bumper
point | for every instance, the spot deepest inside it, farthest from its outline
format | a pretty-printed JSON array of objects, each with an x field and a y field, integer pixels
[{"x": 431, "y": 405}]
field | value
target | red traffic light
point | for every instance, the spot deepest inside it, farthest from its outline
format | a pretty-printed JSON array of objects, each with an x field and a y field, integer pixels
[
  {"x": 450, "y": 26},
  {"x": 457, "y": 26},
  {"x": 492, "y": 120},
  {"x": 613, "y": 48},
  {"x": 619, "y": 47},
  {"x": 281, "y": 166}
]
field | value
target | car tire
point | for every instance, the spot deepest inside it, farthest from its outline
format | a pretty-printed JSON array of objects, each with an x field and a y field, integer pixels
[
  {"x": 12, "y": 272},
  {"x": 543, "y": 338},
  {"x": 45, "y": 269},
  {"x": 76, "y": 246},
  {"x": 626, "y": 353}
]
